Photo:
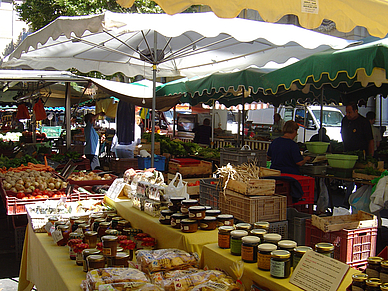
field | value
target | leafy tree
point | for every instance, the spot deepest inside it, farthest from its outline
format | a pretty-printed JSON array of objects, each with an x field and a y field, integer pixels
[{"x": 38, "y": 13}]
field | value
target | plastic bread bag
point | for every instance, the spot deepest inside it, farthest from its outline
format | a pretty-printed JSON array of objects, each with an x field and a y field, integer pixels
[
  {"x": 97, "y": 277},
  {"x": 129, "y": 286},
  {"x": 217, "y": 286},
  {"x": 165, "y": 259},
  {"x": 166, "y": 279},
  {"x": 238, "y": 270},
  {"x": 191, "y": 280}
]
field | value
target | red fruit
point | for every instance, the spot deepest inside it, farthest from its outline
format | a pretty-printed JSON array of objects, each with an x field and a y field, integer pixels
[
  {"x": 20, "y": 195},
  {"x": 197, "y": 183},
  {"x": 45, "y": 192}
]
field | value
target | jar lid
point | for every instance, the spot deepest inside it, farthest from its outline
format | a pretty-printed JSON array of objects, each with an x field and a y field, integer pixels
[
  {"x": 179, "y": 215},
  {"x": 251, "y": 239},
  {"x": 261, "y": 224},
  {"x": 83, "y": 225},
  {"x": 74, "y": 218},
  {"x": 166, "y": 212},
  {"x": 95, "y": 258},
  {"x": 90, "y": 233},
  {"x": 123, "y": 222},
  {"x": 238, "y": 233},
  {"x": 99, "y": 220},
  {"x": 243, "y": 226},
  {"x": 53, "y": 218},
  {"x": 373, "y": 282},
  {"x": 258, "y": 231},
  {"x": 266, "y": 247},
  {"x": 177, "y": 199},
  {"x": 75, "y": 235},
  {"x": 189, "y": 202},
  {"x": 225, "y": 228},
  {"x": 197, "y": 208},
  {"x": 188, "y": 221},
  {"x": 209, "y": 218},
  {"x": 384, "y": 287},
  {"x": 63, "y": 227},
  {"x": 281, "y": 254},
  {"x": 207, "y": 207},
  {"x": 92, "y": 216},
  {"x": 119, "y": 249},
  {"x": 359, "y": 277},
  {"x": 109, "y": 238},
  {"x": 61, "y": 222},
  {"x": 302, "y": 249},
  {"x": 122, "y": 255},
  {"x": 104, "y": 223},
  {"x": 324, "y": 247},
  {"x": 225, "y": 216},
  {"x": 79, "y": 221},
  {"x": 111, "y": 232},
  {"x": 87, "y": 252},
  {"x": 112, "y": 214},
  {"x": 117, "y": 218},
  {"x": 287, "y": 244},
  {"x": 213, "y": 212},
  {"x": 375, "y": 260},
  {"x": 272, "y": 237},
  {"x": 384, "y": 264}
]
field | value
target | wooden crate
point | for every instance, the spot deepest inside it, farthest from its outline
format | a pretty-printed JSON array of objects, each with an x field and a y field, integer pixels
[
  {"x": 363, "y": 176},
  {"x": 254, "y": 187},
  {"x": 147, "y": 147},
  {"x": 265, "y": 172},
  {"x": 120, "y": 165},
  {"x": 203, "y": 168},
  {"x": 254, "y": 208},
  {"x": 334, "y": 223}
]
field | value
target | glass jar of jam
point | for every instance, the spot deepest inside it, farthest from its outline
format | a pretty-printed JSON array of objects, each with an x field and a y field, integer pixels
[
  {"x": 288, "y": 245},
  {"x": 326, "y": 249},
  {"x": 373, "y": 267},
  {"x": 384, "y": 271},
  {"x": 93, "y": 217},
  {"x": 272, "y": 238},
  {"x": 115, "y": 221},
  {"x": 65, "y": 230},
  {"x": 249, "y": 248},
  {"x": 298, "y": 254},
  {"x": 95, "y": 262},
  {"x": 165, "y": 216},
  {"x": 127, "y": 232},
  {"x": 76, "y": 224},
  {"x": 225, "y": 219},
  {"x": 261, "y": 225},
  {"x": 197, "y": 212},
  {"x": 372, "y": 284},
  {"x": 112, "y": 232},
  {"x": 90, "y": 238},
  {"x": 102, "y": 227},
  {"x": 175, "y": 203},
  {"x": 58, "y": 223},
  {"x": 359, "y": 282},
  {"x": 244, "y": 226},
  {"x": 84, "y": 227},
  {"x": 73, "y": 235},
  {"x": 185, "y": 204},
  {"x": 208, "y": 223},
  {"x": 280, "y": 266},
  {"x": 176, "y": 219},
  {"x": 121, "y": 260},
  {"x": 236, "y": 237},
  {"x": 259, "y": 233},
  {"x": 264, "y": 256},
  {"x": 85, "y": 254},
  {"x": 189, "y": 225},
  {"x": 213, "y": 212},
  {"x": 51, "y": 224},
  {"x": 224, "y": 236},
  {"x": 96, "y": 223},
  {"x": 121, "y": 224},
  {"x": 109, "y": 245}
]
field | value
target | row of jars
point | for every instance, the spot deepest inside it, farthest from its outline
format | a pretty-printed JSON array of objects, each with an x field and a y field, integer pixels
[{"x": 363, "y": 282}]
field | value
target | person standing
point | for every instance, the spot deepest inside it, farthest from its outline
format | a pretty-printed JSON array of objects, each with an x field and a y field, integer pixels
[
  {"x": 284, "y": 153},
  {"x": 371, "y": 117},
  {"x": 356, "y": 131},
  {"x": 92, "y": 146},
  {"x": 278, "y": 123},
  {"x": 203, "y": 132}
]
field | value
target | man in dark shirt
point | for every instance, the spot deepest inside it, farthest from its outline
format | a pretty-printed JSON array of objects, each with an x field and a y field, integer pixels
[
  {"x": 203, "y": 132},
  {"x": 356, "y": 131}
]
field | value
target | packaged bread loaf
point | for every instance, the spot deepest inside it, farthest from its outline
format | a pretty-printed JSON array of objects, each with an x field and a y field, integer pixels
[
  {"x": 129, "y": 286},
  {"x": 165, "y": 279},
  {"x": 97, "y": 277},
  {"x": 217, "y": 286},
  {"x": 189, "y": 281},
  {"x": 165, "y": 259}
]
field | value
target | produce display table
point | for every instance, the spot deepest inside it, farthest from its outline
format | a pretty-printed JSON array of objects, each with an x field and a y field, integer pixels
[
  {"x": 166, "y": 236},
  {"x": 214, "y": 257}
]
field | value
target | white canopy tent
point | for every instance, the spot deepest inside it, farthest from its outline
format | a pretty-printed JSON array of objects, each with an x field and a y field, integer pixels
[{"x": 184, "y": 45}]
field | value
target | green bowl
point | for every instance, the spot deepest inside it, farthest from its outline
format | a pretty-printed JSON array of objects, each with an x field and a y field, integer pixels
[
  {"x": 317, "y": 147},
  {"x": 341, "y": 161}
]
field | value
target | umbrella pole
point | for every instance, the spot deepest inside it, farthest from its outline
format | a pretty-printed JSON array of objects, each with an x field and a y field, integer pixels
[
  {"x": 153, "y": 101},
  {"x": 321, "y": 116},
  {"x": 68, "y": 116},
  {"x": 243, "y": 118}
]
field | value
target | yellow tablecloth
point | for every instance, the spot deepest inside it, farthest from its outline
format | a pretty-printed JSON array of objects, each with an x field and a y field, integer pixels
[
  {"x": 214, "y": 257},
  {"x": 166, "y": 236}
]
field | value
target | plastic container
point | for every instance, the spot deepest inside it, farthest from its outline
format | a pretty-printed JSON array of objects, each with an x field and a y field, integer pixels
[
  {"x": 238, "y": 156},
  {"x": 280, "y": 227},
  {"x": 209, "y": 192},
  {"x": 308, "y": 184},
  {"x": 341, "y": 161},
  {"x": 297, "y": 225},
  {"x": 317, "y": 147},
  {"x": 145, "y": 163}
]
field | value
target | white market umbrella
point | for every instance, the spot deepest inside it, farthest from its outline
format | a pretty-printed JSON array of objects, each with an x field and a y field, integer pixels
[{"x": 186, "y": 45}]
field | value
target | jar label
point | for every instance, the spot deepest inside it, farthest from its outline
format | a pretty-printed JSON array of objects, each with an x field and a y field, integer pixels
[
  {"x": 235, "y": 246},
  {"x": 191, "y": 215},
  {"x": 106, "y": 251},
  {"x": 372, "y": 273},
  {"x": 186, "y": 227},
  {"x": 227, "y": 222},
  {"x": 356, "y": 288},
  {"x": 277, "y": 269},
  {"x": 57, "y": 235},
  {"x": 48, "y": 227},
  {"x": 224, "y": 241},
  {"x": 173, "y": 223},
  {"x": 79, "y": 257},
  {"x": 247, "y": 253},
  {"x": 203, "y": 225},
  {"x": 263, "y": 261},
  {"x": 199, "y": 214},
  {"x": 384, "y": 277},
  {"x": 162, "y": 217},
  {"x": 168, "y": 217}
]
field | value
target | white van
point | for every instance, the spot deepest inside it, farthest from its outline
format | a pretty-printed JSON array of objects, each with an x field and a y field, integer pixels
[{"x": 332, "y": 118}]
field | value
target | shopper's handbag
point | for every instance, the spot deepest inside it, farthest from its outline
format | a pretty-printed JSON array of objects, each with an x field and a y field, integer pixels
[
  {"x": 177, "y": 188},
  {"x": 360, "y": 199}
]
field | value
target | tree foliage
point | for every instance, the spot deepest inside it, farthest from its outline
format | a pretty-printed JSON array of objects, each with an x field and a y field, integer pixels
[{"x": 38, "y": 13}]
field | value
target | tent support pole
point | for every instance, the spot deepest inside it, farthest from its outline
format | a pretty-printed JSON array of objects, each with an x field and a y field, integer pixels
[
  {"x": 68, "y": 116},
  {"x": 321, "y": 115},
  {"x": 213, "y": 124},
  {"x": 174, "y": 122},
  {"x": 243, "y": 118},
  {"x": 155, "y": 59}
]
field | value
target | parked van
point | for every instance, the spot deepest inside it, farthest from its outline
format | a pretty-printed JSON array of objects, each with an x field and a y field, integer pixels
[{"x": 332, "y": 118}]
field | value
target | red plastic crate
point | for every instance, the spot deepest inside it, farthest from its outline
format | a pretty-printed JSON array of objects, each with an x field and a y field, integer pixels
[
  {"x": 308, "y": 184},
  {"x": 352, "y": 246}
]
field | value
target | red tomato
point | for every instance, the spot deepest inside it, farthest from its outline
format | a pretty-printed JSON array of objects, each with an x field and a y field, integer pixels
[
  {"x": 190, "y": 184},
  {"x": 31, "y": 197},
  {"x": 46, "y": 196},
  {"x": 197, "y": 183},
  {"x": 45, "y": 192},
  {"x": 213, "y": 182},
  {"x": 25, "y": 198},
  {"x": 38, "y": 196},
  {"x": 50, "y": 193},
  {"x": 20, "y": 195}
]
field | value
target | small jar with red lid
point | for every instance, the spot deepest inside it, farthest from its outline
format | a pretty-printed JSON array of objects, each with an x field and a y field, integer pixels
[{"x": 65, "y": 230}]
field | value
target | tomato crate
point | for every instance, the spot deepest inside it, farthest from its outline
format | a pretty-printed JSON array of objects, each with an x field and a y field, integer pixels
[
  {"x": 352, "y": 246},
  {"x": 251, "y": 209},
  {"x": 308, "y": 184},
  {"x": 209, "y": 192}
]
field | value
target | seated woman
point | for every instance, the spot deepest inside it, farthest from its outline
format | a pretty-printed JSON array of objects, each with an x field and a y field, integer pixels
[{"x": 284, "y": 152}]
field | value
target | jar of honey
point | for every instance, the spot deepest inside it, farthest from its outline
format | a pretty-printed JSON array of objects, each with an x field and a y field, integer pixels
[
  {"x": 102, "y": 227},
  {"x": 264, "y": 256},
  {"x": 121, "y": 260},
  {"x": 85, "y": 254},
  {"x": 189, "y": 225},
  {"x": 359, "y": 282},
  {"x": 213, "y": 212},
  {"x": 373, "y": 267},
  {"x": 109, "y": 245},
  {"x": 95, "y": 262},
  {"x": 208, "y": 223},
  {"x": 176, "y": 219},
  {"x": 65, "y": 230},
  {"x": 249, "y": 248},
  {"x": 121, "y": 224},
  {"x": 96, "y": 223},
  {"x": 225, "y": 219},
  {"x": 90, "y": 238},
  {"x": 185, "y": 204},
  {"x": 197, "y": 212},
  {"x": 261, "y": 225},
  {"x": 115, "y": 221},
  {"x": 326, "y": 249},
  {"x": 224, "y": 236}
]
